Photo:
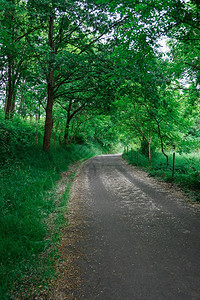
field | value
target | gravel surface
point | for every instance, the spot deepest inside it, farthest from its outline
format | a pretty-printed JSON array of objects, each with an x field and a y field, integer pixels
[{"x": 133, "y": 237}]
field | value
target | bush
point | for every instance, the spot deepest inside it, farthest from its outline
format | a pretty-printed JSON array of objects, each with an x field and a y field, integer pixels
[{"x": 187, "y": 168}]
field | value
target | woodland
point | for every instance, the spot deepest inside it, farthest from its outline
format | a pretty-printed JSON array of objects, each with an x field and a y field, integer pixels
[{"x": 80, "y": 78}]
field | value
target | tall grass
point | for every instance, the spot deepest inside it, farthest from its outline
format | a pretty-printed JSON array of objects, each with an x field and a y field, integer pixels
[
  {"x": 28, "y": 179},
  {"x": 187, "y": 169}
]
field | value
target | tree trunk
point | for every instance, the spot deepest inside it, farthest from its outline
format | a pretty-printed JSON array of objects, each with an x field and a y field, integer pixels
[
  {"x": 167, "y": 158},
  {"x": 138, "y": 156},
  {"x": 66, "y": 136},
  {"x": 21, "y": 105},
  {"x": 161, "y": 142},
  {"x": 50, "y": 88},
  {"x": 149, "y": 151},
  {"x": 9, "y": 100},
  {"x": 49, "y": 114},
  {"x": 69, "y": 117},
  {"x": 60, "y": 143},
  {"x": 54, "y": 139},
  {"x": 173, "y": 168},
  {"x": 12, "y": 109}
]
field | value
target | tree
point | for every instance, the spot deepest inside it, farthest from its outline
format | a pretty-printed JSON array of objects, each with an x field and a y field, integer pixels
[
  {"x": 13, "y": 48},
  {"x": 150, "y": 107},
  {"x": 82, "y": 56},
  {"x": 184, "y": 43},
  {"x": 72, "y": 29}
]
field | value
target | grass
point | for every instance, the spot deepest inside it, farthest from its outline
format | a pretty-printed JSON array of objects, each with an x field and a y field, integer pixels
[
  {"x": 28, "y": 177},
  {"x": 187, "y": 169}
]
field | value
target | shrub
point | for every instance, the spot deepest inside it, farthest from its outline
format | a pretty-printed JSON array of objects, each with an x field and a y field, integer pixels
[{"x": 187, "y": 168}]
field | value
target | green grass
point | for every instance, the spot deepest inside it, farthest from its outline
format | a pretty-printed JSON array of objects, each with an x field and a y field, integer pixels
[
  {"x": 187, "y": 169},
  {"x": 24, "y": 204},
  {"x": 28, "y": 179}
]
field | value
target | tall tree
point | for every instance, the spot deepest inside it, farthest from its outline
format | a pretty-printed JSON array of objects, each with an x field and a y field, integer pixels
[{"x": 72, "y": 28}]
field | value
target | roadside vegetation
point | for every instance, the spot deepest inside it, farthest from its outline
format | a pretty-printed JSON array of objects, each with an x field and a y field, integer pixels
[
  {"x": 30, "y": 215},
  {"x": 79, "y": 78},
  {"x": 186, "y": 173}
]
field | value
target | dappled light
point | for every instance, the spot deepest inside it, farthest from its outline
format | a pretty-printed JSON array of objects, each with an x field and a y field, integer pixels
[{"x": 112, "y": 79}]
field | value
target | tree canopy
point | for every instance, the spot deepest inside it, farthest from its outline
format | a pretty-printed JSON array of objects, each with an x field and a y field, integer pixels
[{"x": 74, "y": 65}]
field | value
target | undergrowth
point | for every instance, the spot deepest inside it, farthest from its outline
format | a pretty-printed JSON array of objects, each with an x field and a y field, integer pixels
[
  {"x": 187, "y": 169},
  {"x": 28, "y": 179}
]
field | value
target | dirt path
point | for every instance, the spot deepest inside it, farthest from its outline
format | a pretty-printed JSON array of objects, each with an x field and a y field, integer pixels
[{"x": 131, "y": 237}]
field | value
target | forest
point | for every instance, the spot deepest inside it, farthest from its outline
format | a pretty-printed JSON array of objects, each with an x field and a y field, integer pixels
[{"x": 81, "y": 78}]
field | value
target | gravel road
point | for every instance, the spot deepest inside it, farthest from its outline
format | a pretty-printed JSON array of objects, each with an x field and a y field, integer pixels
[{"x": 139, "y": 237}]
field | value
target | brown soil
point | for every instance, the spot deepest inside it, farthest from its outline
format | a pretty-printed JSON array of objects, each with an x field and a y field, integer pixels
[{"x": 69, "y": 274}]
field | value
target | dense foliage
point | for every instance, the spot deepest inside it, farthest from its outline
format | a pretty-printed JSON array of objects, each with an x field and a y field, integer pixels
[
  {"x": 30, "y": 214},
  {"x": 62, "y": 61},
  {"x": 85, "y": 72}
]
